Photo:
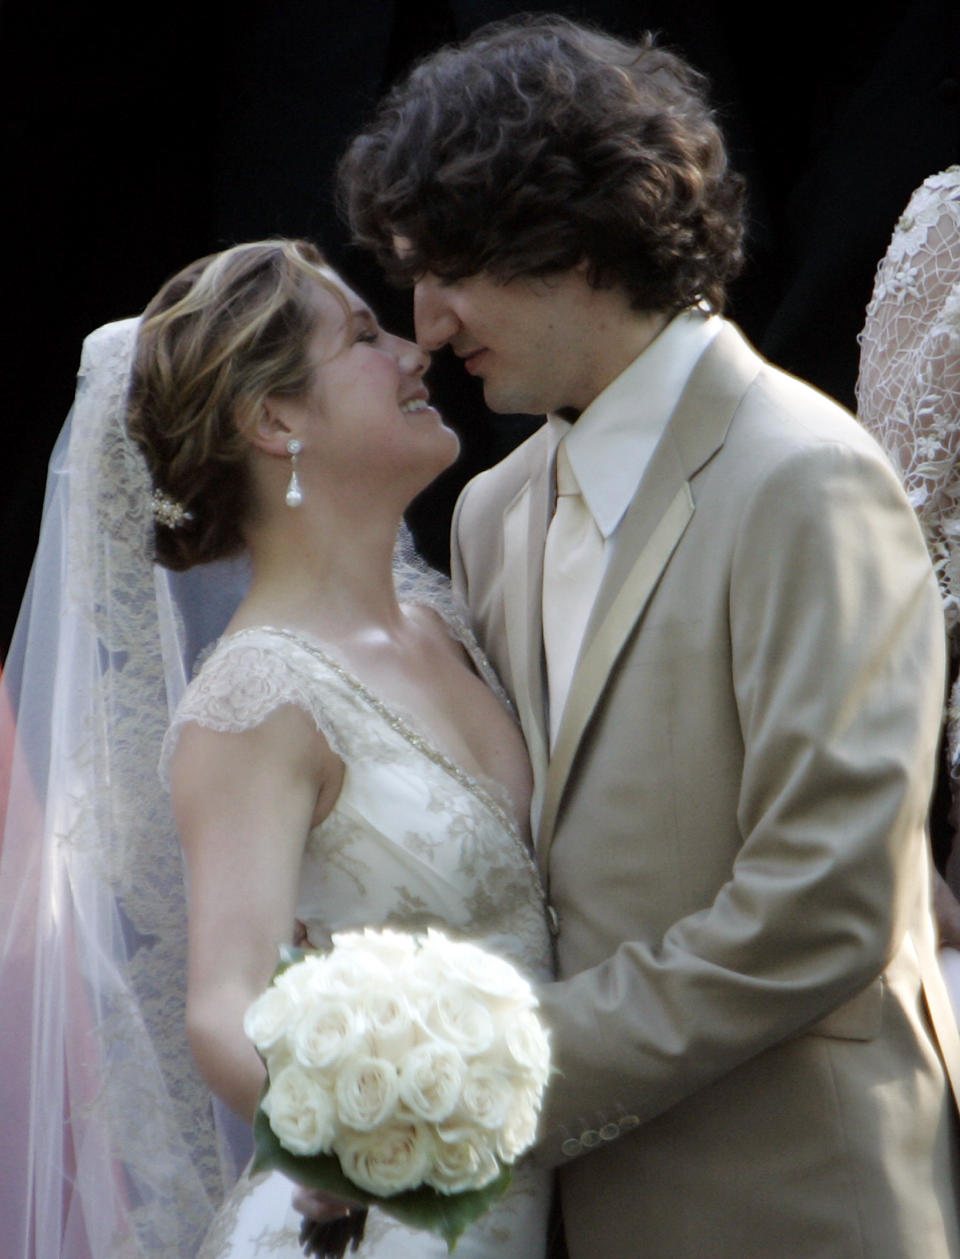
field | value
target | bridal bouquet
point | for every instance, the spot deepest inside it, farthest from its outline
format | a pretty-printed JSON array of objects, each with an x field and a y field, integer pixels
[{"x": 403, "y": 1070}]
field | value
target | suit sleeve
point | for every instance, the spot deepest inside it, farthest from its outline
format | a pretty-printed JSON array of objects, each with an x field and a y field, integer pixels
[{"x": 837, "y": 663}]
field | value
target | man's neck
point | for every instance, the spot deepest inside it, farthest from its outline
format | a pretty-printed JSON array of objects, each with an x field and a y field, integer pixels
[{"x": 623, "y": 339}]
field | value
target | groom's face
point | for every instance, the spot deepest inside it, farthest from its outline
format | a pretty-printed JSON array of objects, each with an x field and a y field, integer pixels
[{"x": 529, "y": 340}]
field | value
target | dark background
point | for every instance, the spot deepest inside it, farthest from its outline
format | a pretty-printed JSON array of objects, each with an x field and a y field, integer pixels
[{"x": 136, "y": 139}]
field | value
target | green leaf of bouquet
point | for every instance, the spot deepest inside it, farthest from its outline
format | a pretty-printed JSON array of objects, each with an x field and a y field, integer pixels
[
  {"x": 447, "y": 1215},
  {"x": 290, "y": 954}
]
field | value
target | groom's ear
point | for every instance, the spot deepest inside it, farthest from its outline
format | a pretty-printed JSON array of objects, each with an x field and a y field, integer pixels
[{"x": 270, "y": 427}]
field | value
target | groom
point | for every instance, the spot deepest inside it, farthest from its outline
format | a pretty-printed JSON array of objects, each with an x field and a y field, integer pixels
[{"x": 710, "y": 601}]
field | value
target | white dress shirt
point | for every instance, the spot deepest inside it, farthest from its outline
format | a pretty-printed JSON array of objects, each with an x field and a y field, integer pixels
[{"x": 610, "y": 446}]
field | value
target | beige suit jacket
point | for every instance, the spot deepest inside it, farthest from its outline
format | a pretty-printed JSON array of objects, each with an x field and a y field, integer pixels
[{"x": 731, "y": 831}]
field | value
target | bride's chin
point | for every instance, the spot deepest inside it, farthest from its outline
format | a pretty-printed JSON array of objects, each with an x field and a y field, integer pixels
[
  {"x": 454, "y": 441},
  {"x": 432, "y": 458},
  {"x": 448, "y": 449}
]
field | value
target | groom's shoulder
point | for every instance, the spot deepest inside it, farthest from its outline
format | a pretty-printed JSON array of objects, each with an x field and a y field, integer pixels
[{"x": 501, "y": 482}]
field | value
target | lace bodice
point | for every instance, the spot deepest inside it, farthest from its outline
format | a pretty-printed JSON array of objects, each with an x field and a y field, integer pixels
[
  {"x": 909, "y": 387},
  {"x": 412, "y": 838}
]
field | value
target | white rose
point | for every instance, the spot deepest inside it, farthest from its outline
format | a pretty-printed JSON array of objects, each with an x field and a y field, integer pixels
[
  {"x": 485, "y": 971},
  {"x": 463, "y": 1020},
  {"x": 304, "y": 979},
  {"x": 420, "y": 979},
  {"x": 466, "y": 1162},
  {"x": 350, "y": 970},
  {"x": 278, "y": 1057},
  {"x": 430, "y": 1078},
  {"x": 486, "y": 1096},
  {"x": 388, "y": 1160},
  {"x": 366, "y": 1091},
  {"x": 519, "y": 1129},
  {"x": 529, "y": 1046},
  {"x": 301, "y": 1112},
  {"x": 393, "y": 948},
  {"x": 326, "y": 1033},
  {"x": 391, "y": 1023},
  {"x": 268, "y": 1019}
]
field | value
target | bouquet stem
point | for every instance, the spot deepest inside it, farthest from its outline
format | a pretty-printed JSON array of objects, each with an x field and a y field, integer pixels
[{"x": 330, "y": 1240}]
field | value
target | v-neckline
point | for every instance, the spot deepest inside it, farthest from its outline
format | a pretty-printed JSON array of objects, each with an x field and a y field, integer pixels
[{"x": 420, "y": 737}]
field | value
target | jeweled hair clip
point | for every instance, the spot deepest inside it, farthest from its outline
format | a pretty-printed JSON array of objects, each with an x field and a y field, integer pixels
[{"x": 168, "y": 511}]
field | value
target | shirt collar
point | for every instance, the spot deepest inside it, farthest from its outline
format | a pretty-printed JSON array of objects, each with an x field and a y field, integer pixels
[{"x": 611, "y": 443}]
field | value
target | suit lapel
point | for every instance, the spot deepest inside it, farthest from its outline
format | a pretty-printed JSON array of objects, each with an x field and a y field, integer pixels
[
  {"x": 524, "y": 529},
  {"x": 619, "y": 607},
  {"x": 646, "y": 538}
]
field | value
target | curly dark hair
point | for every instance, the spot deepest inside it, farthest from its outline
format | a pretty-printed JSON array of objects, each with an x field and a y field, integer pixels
[
  {"x": 220, "y": 336},
  {"x": 540, "y": 143}
]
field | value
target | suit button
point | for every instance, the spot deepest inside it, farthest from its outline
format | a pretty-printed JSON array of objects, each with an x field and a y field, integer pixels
[
  {"x": 570, "y": 1147},
  {"x": 590, "y": 1138},
  {"x": 610, "y": 1132},
  {"x": 628, "y": 1123}
]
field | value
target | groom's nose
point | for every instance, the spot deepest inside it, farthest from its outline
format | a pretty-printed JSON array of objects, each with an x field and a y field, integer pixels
[{"x": 435, "y": 321}]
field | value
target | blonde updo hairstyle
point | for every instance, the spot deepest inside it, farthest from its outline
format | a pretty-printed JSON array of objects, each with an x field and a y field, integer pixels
[{"x": 220, "y": 337}]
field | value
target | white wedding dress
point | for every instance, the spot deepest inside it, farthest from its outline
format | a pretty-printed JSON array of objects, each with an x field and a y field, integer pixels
[{"x": 412, "y": 840}]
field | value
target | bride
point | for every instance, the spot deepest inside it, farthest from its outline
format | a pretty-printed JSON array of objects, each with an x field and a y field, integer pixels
[{"x": 342, "y": 757}]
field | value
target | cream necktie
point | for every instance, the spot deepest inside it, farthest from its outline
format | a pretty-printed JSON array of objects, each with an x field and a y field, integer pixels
[{"x": 573, "y": 563}]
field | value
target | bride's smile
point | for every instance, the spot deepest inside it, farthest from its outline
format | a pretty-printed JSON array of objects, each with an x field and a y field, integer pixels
[{"x": 366, "y": 417}]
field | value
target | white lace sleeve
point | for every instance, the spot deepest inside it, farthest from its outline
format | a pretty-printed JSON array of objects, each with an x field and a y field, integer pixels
[
  {"x": 248, "y": 676},
  {"x": 909, "y": 387}
]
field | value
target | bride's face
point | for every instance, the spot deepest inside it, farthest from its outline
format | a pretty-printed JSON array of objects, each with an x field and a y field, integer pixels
[{"x": 368, "y": 406}]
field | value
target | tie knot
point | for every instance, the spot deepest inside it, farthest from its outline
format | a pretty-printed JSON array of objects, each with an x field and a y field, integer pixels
[{"x": 566, "y": 481}]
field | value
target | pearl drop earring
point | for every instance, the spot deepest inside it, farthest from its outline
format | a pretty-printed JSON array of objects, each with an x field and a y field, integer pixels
[{"x": 294, "y": 492}]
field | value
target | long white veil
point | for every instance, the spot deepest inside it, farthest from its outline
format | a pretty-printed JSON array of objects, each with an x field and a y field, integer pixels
[
  {"x": 113, "y": 1147},
  {"x": 112, "y": 1143}
]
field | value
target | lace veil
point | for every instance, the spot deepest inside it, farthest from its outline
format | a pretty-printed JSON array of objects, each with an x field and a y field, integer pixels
[
  {"x": 114, "y": 1147},
  {"x": 909, "y": 387}
]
